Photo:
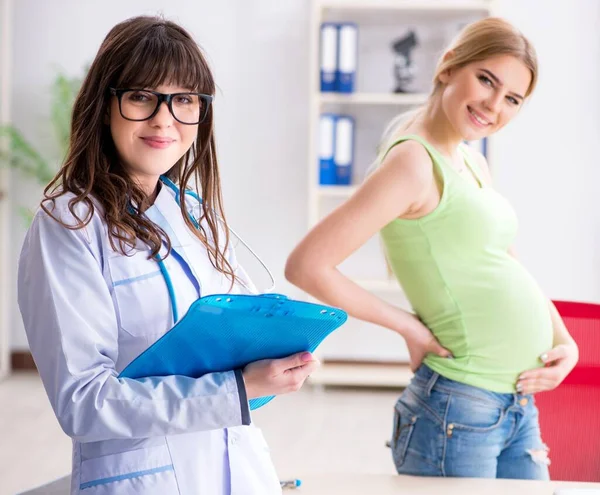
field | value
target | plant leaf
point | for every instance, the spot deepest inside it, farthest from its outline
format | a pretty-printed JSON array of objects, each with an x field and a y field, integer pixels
[{"x": 23, "y": 156}]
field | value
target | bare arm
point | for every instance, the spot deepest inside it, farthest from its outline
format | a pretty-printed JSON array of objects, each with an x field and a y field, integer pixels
[
  {"x": 558, "y": 361},
  {"x": 560, "y": 333},
  {"x": 399, "y": 186}
]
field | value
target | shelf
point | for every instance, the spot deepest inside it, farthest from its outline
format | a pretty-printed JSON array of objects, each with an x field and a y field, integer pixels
[
  {"x": 406, "y": 99},
  {"x": 384, "y": 285},
  {"x": 364, "y": 356},
  {"x": 413, "y": 5},
  {"x": 360, "y": 374},
  {"x": 374, "y": 285},
  {"x": 336, "y": 191}
]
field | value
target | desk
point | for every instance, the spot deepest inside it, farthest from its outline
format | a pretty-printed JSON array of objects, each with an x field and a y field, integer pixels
[
  {"x": 364, "y": 484},
  {"x": 408, "y": 485}
]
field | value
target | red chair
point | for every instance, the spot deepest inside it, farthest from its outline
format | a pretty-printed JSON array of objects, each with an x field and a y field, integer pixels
[{"x": 570, "y": 415}]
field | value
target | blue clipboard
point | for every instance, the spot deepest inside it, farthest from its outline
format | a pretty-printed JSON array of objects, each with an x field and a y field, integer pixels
[{"x": 223, "y": 332}]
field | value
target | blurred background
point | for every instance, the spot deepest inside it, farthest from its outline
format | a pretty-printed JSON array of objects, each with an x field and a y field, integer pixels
[{"x": 266, "y": 56}]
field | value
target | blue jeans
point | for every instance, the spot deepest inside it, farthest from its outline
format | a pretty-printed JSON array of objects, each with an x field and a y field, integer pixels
[{"x": 446, "y": 428}]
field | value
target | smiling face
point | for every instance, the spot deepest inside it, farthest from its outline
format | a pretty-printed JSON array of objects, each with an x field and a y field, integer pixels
[
  {"x": 482, "y": 97},
  {"x": 149, "y": 148}
]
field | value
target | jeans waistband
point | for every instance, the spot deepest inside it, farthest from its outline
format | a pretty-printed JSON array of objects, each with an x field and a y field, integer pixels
[{"x": 426, "y": 380}]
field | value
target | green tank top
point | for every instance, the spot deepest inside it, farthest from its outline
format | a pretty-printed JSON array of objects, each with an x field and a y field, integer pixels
[{"x": 454, "y": 266}]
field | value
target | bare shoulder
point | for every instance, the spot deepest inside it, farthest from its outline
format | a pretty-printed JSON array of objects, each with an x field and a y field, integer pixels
[
  {"x": 408, "y": 161},
  {"x": 400, "y": 184}
]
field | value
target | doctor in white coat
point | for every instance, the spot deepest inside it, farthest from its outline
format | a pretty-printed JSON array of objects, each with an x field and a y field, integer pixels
[{"x": 116, "y": 254}]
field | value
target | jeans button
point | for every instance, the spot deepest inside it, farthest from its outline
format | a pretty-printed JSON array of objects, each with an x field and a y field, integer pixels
[{"x": 524, "y": 401}]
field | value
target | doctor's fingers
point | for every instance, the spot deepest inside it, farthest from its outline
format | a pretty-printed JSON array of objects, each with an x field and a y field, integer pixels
[
  {"x": 293, "y": 361},
  {"x": 295, "y": 377}
]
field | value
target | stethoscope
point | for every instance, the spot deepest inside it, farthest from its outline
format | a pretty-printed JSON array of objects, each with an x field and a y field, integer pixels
[{"x": 161, "y": 265}]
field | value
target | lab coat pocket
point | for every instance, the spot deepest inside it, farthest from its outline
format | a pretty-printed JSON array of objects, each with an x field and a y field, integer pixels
[
  {"x": 257, "y": 440},
  {"x": 146, "y": 471},
  {"x": 140, "y": 295},
  {"x": 250, "y": 452}
]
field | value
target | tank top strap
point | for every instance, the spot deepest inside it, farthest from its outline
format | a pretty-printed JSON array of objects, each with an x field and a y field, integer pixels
[{"x": 436, "y": 157}]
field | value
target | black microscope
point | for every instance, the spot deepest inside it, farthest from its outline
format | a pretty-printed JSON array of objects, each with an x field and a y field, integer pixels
[{"x": 404, "y": 70}]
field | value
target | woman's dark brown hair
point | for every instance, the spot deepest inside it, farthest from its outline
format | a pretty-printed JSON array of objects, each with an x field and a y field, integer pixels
[{"x": 140, "y": 52}]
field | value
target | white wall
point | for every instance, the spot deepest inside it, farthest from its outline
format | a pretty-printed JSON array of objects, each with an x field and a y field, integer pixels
[
  {"x": 5, "y": 213},
  {"x": 259, "y": 53},
  {"x": 548, "y": 163}
]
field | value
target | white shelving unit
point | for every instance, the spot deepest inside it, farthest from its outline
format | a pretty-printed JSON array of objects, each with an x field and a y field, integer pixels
[
  {"x": 437, "y": 6},
  {"x": 371, "y": 99},
  {"x": 359, "y": 355},
  {"x": 5, "y": 51}
]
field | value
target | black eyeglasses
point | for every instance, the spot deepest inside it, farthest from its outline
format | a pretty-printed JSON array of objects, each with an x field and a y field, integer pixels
[{"x": 142, "y": 104}]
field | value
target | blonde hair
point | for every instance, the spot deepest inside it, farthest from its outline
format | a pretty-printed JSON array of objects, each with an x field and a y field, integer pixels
[{"x": 477, "y": 41}]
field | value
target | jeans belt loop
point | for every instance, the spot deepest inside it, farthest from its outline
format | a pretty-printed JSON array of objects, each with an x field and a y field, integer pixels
[{"x": 431, "y": 383}]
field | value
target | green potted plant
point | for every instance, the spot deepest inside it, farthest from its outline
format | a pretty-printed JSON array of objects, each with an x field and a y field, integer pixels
[{"x": 21, "y": 155}]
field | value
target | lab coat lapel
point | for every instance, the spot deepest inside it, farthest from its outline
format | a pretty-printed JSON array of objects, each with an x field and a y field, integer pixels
[{"x": 165, "y": 213}]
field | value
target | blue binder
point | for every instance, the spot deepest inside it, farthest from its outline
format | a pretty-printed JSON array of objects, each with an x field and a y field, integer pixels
[
  {"x": 347, "y": 57},
  {"x": 344, "y": 149},
  {"x": 226, "y": 332},
  {"x": 327, "y": 170},
  {"x": 328, "y": 56}
]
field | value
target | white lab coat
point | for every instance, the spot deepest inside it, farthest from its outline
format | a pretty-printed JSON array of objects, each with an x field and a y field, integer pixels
[{"x": 88, "y": 312}]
